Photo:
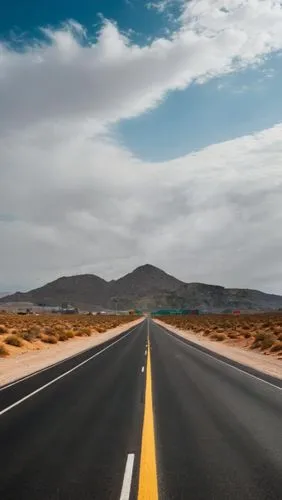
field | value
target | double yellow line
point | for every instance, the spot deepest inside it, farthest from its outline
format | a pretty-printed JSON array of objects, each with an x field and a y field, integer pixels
[{"x": 148, "y": 484}]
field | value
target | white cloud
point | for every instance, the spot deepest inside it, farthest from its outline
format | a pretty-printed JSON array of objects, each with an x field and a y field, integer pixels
[
  {"x": 83, "y": 204},
  {"x": 72, "y": 200},
  {"x": 161, "y": 5}
]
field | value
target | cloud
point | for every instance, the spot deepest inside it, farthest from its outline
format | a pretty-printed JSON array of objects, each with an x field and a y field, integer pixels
[
  {"x": 73, "y": 200},
  {"x": 86, "y": 205},
  {"x": 161, "y": 5}
]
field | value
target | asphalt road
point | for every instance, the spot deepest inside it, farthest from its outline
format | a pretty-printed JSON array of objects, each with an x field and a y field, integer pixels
[
  {"x": 69, "y": 432},
  {"x": 218, "y": 429}
]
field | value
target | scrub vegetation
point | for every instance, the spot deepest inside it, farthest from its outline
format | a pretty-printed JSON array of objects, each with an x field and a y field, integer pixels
[
  {"x": 261, "y": 332},
  {"x": 26, "y": 331}
]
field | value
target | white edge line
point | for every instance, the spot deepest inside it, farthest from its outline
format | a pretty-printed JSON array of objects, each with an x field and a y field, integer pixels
[
  {"x": 142, "y": 369},
  {"x": 146, "y": 352},
  {"x": 127, "y": 479},
  {"x": 37, "y": 372},
  {"x": 8, "y": 408},
  {"x": 220, "y": 360}
]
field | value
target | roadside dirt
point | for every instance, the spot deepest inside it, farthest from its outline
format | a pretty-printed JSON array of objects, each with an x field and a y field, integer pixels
[
  {"x": 264, "y": 363},
  {"x": 24, "y": 362}
]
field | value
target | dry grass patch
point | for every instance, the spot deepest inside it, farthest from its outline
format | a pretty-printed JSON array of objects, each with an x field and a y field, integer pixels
[
  {"x": 25, "y": 335},
  {"x": 31, "y": 333},
  {"x": 14, "y": 340},
  {"x": 49, "y": 339},
  {"x": 84, "y": 332},
  {"x": 277, "y": 346},
  {"x": 70, "y": 334},
  {"x": 264, "y": 340},
  {"x": 219, "y": 336},
  {"x": 233, "y": 335},
  {"x": 207, "y": 332},
  {"x": 65, "y": 335},
  {"x": 3, "y": 329}
]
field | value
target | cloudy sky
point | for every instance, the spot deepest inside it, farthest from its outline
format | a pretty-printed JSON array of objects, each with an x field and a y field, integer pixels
[{"x": 134, "y": 132}]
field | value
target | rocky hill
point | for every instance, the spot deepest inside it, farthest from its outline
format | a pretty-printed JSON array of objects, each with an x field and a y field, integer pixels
[
  {"x": 86, "y": 291},
  {"x": 147, "y": 287}
]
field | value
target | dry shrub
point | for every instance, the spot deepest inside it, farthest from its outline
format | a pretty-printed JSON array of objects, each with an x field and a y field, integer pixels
[
  {"x": 14, "y": 340},
  {"x": 277, "y": 346},
  {"x": 266, "y": 324},
  {"x": 3, "y": 351},
  {"x": 245, "y": 326},
  {"x": 48, "y": 330},
  {"x": 264, "y": 340},
  {"x": 84, "y": 332},
  {"x": 247, "y": 334},
  {"x": 31, "y": 333},
  {"x": 219, "y": 336},
  {"x": 3, "y": 329},
  {"x": 63, "y": 336},
  {"x": 49, "y": 339},
  {"x": 26, "y": 335},
  {"x": 35, "y": 331},
  {"x": 233, "y": 334},
  {"x": 100, "y": 328},
  {"x": 206, "y": 332}
]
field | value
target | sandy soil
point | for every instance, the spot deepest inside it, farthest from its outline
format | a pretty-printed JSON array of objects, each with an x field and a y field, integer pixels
[
  {"x": 43, "y": 355},
  {"x": 267, "y": 364}
]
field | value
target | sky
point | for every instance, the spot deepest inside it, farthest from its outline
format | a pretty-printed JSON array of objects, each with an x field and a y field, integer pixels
[{"x": 136, "y": 132}]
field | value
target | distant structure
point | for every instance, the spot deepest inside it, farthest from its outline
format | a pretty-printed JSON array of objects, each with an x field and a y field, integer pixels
[
  {"x": 40, "y": 308},
  {"x": 167, "y": 312}
]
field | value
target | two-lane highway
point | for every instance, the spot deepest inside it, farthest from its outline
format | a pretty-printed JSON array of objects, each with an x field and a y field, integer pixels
[{"x": 146, "y": 416}]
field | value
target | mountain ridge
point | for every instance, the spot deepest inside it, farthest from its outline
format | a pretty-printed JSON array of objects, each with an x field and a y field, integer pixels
[{"x": 146, "y": 287}]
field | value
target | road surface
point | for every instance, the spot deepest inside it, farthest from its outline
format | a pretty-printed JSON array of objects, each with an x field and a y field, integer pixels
[{"x": 142, "y": 419}]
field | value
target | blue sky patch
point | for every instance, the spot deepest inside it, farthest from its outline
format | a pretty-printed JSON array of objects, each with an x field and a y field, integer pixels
[
  {"x": 21, "y": 20},
  {"x": 221, "y": 109}
]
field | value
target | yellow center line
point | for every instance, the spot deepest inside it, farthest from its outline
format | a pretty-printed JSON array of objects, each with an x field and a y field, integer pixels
[{"x": 148, "y": 484}]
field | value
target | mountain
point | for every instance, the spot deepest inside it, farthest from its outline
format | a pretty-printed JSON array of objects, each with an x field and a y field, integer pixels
[
  {"x": 147, "y": 287},
  {"x": 82, "y": 290},
  {"x": 213, "y": 298}
]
